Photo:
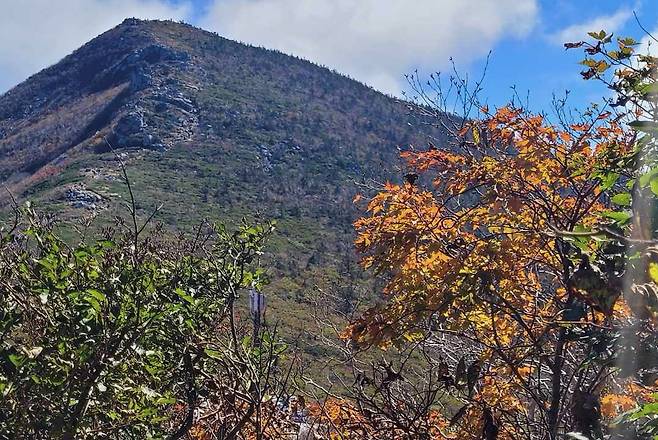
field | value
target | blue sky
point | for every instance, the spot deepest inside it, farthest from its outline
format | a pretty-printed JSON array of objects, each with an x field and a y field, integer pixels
[
  {"x": 539, "y": 65},
  {"x": 374, "y": 41}
]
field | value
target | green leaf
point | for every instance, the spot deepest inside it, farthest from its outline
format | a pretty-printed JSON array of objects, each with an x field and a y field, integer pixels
[
  {"x": 46, "y": 264},
  {"x": 598, "y": 35},
  {"x": 645, "y": 126},
  {"x": 17, "y": 359},
  {"x": 113, "y": 415},
  {"x": 96, "y": 294},
  {"x": 81, "y": 254},
  {"x": 623, "y": 199},
  {"x": 214, "y": 354},
  {"x": 647, "y": 177},
  {"x": 620, "y": 217},
  {"x": 165, "y": 400},
  {"x": 654, "y": 185},
  {"x": 646, "y": 410},
  {"x": 608, "y": 180},
  {"x": 93, "y": 302},
  {"x": 180, "y": 292},
  {"x": 628, "y": 41},
  {"x": 648, "y": 89}
]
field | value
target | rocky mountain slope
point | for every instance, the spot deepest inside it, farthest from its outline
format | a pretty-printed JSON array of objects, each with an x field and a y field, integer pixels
[{"x": 212, "y": 129}]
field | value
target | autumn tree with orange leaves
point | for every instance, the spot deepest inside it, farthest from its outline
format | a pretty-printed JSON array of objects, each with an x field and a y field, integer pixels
[{"x": 527, "y": 246}]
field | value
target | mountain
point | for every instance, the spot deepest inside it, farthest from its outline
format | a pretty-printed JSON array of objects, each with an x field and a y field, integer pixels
[{"x": 210, "y": 128}]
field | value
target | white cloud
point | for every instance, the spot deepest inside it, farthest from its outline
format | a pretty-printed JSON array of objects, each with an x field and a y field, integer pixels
[
  {"x": 37, "y": 33},
  {"x": 577, "y": 32},
  {"x": 375, "y": 41}
]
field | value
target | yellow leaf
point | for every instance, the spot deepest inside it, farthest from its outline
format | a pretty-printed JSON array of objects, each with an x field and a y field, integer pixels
[
  {"x": 476, "y": 135},
  {"x": 653, "y": 272}
]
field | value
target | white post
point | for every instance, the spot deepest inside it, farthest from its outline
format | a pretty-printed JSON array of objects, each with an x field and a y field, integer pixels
[{"x": 257, "y": 310}]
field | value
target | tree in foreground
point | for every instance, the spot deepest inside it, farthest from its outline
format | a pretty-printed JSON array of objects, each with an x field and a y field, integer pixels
[
  {"x": 525, "y": 254},
  {"x": 133, "y": 335}
]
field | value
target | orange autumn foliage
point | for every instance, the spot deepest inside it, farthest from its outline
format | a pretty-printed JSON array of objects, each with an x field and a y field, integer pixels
[
  {"x": 627, "y": 397},
  {"x": 490, "y": 214},
  {"x": 480, "y": 253},
  {"x": 341, "y": 419}
]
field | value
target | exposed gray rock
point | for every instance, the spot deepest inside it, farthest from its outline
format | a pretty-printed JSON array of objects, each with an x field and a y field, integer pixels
[
  {"x": 80, "y": 197},
  {"x": 177, "y": 100},
  {"x": 139, "y": 79},
  {"x": 129, "y": 130},
  {"x": 163, "y": 115},
  {"x": 138, "y": 67}
]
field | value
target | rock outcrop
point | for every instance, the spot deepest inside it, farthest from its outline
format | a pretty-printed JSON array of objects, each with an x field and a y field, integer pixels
[{"x": 80, "y": 197}]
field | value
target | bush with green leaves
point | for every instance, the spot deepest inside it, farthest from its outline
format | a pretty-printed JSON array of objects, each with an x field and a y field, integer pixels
[
  {"x": 629, "y": 230},
  {"x": 125, "y": 336}
]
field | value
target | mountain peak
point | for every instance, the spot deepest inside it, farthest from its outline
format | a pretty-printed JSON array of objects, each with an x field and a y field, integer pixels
[
  {"x": 163, "y": 90},
  {"x": 98, "y": 88}
]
